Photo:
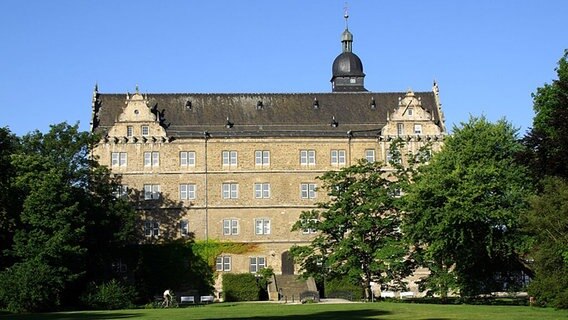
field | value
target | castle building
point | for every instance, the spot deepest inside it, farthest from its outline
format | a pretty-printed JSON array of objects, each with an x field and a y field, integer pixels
[{"x": 242, "y": 167}]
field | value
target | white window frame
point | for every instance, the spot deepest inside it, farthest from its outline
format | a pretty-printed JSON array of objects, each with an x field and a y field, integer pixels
[
  {"x": 308, "y": 157},
  {"x": 187, "y": 191},
  {"x": 230, "y": 227},
  {"x": 119, "y": 159},
  {"x": 370, "y": 155},
  {"x": 151, "y": 228},
  {"x": 187, "y": 158},
  {"x": 262, "y": 190},
  {"x": 184, "y": 227},
  {"x": 309, "y": 230},
  {"x": 262, "y": 226},
  {"x": 256, "y": 264},
  {"x": 121, "y": 191},
  {"x": 338, "y": 157},
  {"x": 151, "y": 159},
  {"x": 308, "y": 190},
  {"x": 230, "y": 190},
  {"x": 417, "y": 128},
  {"x": 223, "y": 263},
  {"x": 151, "y": 191},
  {"x": 262, "y": 157},
  {"x": 229, "y": 157},
  {"x": 400, "y": 128},
  {"x": 129, "y": 131},
  {"x": 145, "y": 130}
]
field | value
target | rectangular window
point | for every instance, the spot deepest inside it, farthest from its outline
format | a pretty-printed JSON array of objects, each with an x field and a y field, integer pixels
[
  {"x": 119, "y": 159},
  {"x": 410, "y": 111},
  {"x": 151, "y": 228},
  {"x": 151, "y": 159},
  {"x": 184, "y": 228},
  {"x": 370, "y": 155},
  {"x": 129, "y": 131},
  {"x": 187, "y": 158},
  {"x": 256, "y": 264},
  {"x": 309, "y": 230},
  {"x": 307, "y": 157},
  {"x": 417, "y": 129},
  {"x": 230, "y": 227},
  {"x": 400, "y": 129},
  {"x": 121, "y": 191},
  {"x": 229, "y": 158},
  {"x": 187, "y": 191},
  {"x": 230, "y": 190},
  {"x": 223, "y": 263},
  {"x": 145, "y": 130},
  {"x": 262, "y": 190},
  {"x": 390, "y": 158},
  {"x": 262, "y": 226},
  {"x": 337, "y": 157},
  {"x": 151, "y": 191},
  {"x": 308, "y": 190},
  {"x": 262, "y": 157}
]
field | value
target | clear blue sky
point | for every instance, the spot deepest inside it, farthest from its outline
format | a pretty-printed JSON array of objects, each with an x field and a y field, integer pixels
[{"x": 488, "y": 56}]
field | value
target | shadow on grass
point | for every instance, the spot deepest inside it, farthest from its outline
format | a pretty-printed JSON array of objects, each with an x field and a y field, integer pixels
[
  {"x": 79, "y": 315},
  {"x": 347, "y": 315}
]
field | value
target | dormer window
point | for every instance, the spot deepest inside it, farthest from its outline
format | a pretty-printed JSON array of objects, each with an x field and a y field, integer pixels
[
  {"x": 145, "y": 131},
  {"x": 409, "y": 111}
]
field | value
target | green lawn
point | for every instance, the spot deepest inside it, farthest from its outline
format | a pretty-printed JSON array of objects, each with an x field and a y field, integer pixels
[{"x": 355, "y": 311}]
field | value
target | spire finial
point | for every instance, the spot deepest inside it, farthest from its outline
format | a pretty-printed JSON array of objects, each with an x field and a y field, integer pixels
[
  {"x": 346, "y": 15},
  {"x": 137, "y": 91}
]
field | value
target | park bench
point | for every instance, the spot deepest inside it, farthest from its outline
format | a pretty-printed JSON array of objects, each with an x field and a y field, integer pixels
[
  {"x": 207, "y": 299},
  {"x": 187, "y": 299}
]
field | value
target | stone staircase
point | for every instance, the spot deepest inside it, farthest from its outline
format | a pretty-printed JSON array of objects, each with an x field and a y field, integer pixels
[{"x": 291, "y": 288}]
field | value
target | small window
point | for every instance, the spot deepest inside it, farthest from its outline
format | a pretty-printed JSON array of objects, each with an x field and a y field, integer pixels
[
  {"x": 184, "y": 228},
  {"x": 417, "y": 129},
  {"x": 151, "y": 191},
  {"x": 151, "y": 159},
  {"x": 307, "y": 157},
  {"x": 129, "y": 131},
  {"x": 262, "y": 190},
  {"x": 151, "y": 228},
  {"x": 230, "y": 190},
  {"x": 229, "y": 158},
  {"x": 390, "y": 158},
  {"x": 262, "y": 157},
  {"x": 145, "y": 131},
  {"x": 256, "y": 264},
  {"x": 187, "y": 158},
  {"x": 400, "y": 129},
  {"x": 119, "y": 159},
  {"x": 121, "y": 191},
  {"x": 308, "y": 190},
  {"x": 309, "y": 230},
  {"x": 410, "y": 111},
  {"x": 223, "y": 263},
  {"x": 187, "y": 191},
  {"x": 230, "y": 227},
  {"x": 337, "y": 157},
  {"x": 370, "y": 155},
  {"x": 262, "y": 226}
]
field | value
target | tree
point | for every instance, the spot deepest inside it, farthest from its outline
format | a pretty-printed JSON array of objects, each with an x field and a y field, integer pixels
[
  {"x": 358, "y": 232},
  {"x": 9, "y": 199},
  {"x": 548, "y": 222},
  {"x": 463, "y": 209},
  {"x": 547, "y": 141},
  {"x": 69, "y": 220}
]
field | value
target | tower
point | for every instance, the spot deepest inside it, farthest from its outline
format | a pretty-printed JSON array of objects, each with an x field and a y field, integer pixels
[{"x": 347, "y": 70}]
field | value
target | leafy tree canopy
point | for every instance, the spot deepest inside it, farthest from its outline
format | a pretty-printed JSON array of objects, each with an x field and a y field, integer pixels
[{"x": 463, "y": 209}]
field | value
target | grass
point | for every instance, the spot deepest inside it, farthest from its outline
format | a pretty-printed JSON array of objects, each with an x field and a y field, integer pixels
[{"x": 353, "y": 311}]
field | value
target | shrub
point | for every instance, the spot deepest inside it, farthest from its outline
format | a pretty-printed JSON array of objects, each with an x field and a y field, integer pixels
[
  {"x": 343, "y": 285},
  {"x": 110, "y": 295},
  {"x": 240, "y": 287}
]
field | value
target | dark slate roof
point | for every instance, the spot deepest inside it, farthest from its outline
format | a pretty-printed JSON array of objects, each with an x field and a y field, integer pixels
[
  {"x": 280, "y": 114},
  {"x": 347, "y": 64}
]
